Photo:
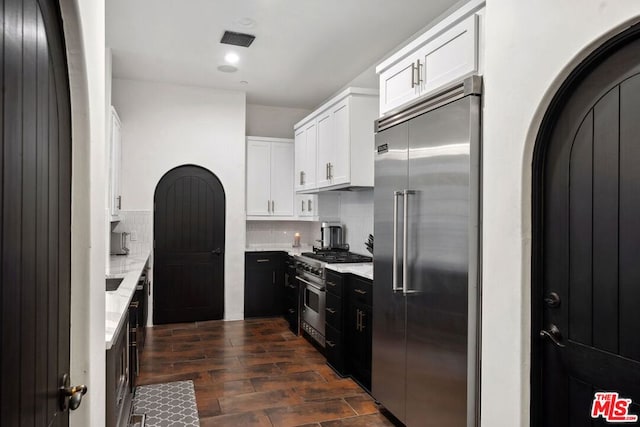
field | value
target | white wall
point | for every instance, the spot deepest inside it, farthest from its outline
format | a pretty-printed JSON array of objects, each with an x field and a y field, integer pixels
[
  {"x": 274, "y": 122},
  {"x": 164, "y": 126},
  {"x": 83, "y": 22},
  {"x": 530, "y": 48}
]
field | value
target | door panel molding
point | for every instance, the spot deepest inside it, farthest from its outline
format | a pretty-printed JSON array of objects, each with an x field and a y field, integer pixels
[{"x": 594, "y": 65}]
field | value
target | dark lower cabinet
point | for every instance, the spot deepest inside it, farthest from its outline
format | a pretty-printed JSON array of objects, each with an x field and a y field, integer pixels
[
  {"x": 359, "y": 337},
  {"x": 291, "y": 296},
  {"x": 348, "y": 325},
  {"x": 334, "y": 322},
  {"x": 264, "y": 284},
  {"x": 119, "y": 396}
]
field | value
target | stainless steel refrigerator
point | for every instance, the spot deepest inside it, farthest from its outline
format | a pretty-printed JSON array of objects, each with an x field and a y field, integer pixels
[{"x": 426, "y": 278}]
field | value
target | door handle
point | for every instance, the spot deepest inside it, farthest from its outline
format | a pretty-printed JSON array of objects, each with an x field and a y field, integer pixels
[
  {"x": 217, "y": 251},
  {"x": 405, "y": 244},
  {"x": 70, "y": 397},
  {"x": 394, "y": 258},
  {"x": 554, "y": 335}
]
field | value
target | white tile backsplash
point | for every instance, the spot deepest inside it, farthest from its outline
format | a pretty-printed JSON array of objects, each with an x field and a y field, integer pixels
[
  {"x": 356, "y": 216},
  {"x": 281, "y": 232},
  {"x": 141, "y": 223}
]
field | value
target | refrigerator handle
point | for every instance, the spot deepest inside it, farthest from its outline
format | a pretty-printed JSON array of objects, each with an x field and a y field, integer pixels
[
  {"x": 405, "y": 243},
  {"x": 394, "y": 258}
]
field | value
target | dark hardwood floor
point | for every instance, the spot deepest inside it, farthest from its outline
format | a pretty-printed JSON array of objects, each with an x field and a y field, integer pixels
[{"x": 255, "y": 373}]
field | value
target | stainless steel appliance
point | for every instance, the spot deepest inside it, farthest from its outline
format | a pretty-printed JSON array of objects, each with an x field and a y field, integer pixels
[
  {"x": 426, "y": 283},
  {"x": 119, "y": 243},
  {"x": 332, "y": 236},
  {"x": 310, "y": 275}
]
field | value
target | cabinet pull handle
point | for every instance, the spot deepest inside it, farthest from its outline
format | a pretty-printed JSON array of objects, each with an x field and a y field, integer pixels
[
  {"x": 330, "y": 343},
  {"x": 330, "y": 283},
  {"x": 330, "y": 171},
  {"x": 268, "y": 206},
  {"x": 418, "y": 68},
  {"x": 362, "y": 313},
  {"x": 308, "y": 205},
  {"x": 303, "y": 206},
  {"x": 330, "y": 310},
  {"x": 119, "y": 202},
  {"x": 304, "y": 178},
  {"x": 273, "y": 206},
  {"x": 291, "y": 311},
  {"x": 360, "y": 291},
  {"x": 413, "y": 75},
  {"x": 301, "y": 177},
  {"x": 264, "y": 260}
]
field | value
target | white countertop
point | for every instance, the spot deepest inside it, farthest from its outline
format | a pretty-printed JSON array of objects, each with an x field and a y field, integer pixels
[
  {"x": 129, "y": 267},
  {"x": 362, "y": 269},
  {"x": 280, "y": 248}
]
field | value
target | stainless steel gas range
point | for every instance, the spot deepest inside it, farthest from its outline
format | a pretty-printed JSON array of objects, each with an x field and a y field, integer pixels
[{"x": 310, "y": 273}]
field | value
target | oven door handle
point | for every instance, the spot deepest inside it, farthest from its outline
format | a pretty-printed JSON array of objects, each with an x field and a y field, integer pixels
[{"x": 313, "y": 285}]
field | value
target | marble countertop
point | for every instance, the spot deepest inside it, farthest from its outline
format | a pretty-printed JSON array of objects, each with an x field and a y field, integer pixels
[
  {"x": 363, "y": 269},
  {"x": 280, "y": 248},
  {"x": 129, "y": 268}
]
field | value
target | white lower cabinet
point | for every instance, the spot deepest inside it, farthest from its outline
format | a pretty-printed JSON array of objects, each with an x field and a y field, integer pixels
[{"x": 270, "y": 193}]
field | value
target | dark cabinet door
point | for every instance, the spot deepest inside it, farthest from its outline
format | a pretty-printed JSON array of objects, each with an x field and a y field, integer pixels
[
  {"x": 358, "y": 328},
  {"x": 264, "y": 284}
]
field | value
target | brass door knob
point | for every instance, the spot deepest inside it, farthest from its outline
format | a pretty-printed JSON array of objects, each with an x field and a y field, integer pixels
[{"x": 70, "y": 397}]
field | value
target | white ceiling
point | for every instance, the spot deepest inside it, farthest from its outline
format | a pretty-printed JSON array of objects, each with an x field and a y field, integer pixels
[{"x": 305, "y": 50}]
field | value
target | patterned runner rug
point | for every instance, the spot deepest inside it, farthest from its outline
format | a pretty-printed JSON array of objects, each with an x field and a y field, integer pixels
[{"x": 167, "y": 405}]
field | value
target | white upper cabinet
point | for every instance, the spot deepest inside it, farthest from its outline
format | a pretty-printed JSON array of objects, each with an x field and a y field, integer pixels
[
  {"x": 307, "y": 205},
  {"x": 270, "y": 177},
  {"x": 305, "y": 157},
  {"x": 341, "y": 152},
  {"x": 448, "y": 52},
  {"x": 115, "y": 165}
]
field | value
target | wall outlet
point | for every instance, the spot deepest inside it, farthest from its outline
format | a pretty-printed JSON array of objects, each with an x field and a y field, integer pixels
[{"x": 134, "y": 236}]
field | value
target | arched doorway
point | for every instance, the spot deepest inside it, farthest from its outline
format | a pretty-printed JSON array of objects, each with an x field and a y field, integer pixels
[
  {"x": 189, "y": 235},
  {"x": 35, "y": 219},
  {"x": 586, "y": 240}
]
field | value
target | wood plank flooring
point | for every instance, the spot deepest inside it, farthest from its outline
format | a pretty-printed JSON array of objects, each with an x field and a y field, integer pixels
[{"x": 255, "y": 373}]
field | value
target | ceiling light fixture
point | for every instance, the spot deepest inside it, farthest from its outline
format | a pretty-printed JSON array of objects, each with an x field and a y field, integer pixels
[{"x": 231, "y": 58}]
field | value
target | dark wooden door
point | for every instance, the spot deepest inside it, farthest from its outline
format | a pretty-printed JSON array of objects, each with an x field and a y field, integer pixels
[
  {"x": 189, "y": 227},
  {"x": 35, "y": 215},
  {"x": 589, "y": 339}
]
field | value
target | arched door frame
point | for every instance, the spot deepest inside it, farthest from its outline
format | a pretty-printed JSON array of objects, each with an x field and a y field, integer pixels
[
  {"x": 152, "y": 262},
  {"x": 553, "y": 110}
]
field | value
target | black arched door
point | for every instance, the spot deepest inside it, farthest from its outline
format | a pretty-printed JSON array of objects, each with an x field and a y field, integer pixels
[
  {"x": 35, "y": 214},
  {"x": 189, "y": 227},
  {"x": 586, "y": 297}
]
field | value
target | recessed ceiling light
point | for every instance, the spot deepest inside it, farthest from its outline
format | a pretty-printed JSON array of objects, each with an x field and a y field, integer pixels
[
  {"x": 244, "y": 82},
  {"x": 227, "y": 68},
  {"x": 231, "y": 58},
  {"x": 245, "y": 22}
]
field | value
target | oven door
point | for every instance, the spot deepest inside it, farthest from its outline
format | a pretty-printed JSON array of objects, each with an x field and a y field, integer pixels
[{"x": 313, "y": 304}]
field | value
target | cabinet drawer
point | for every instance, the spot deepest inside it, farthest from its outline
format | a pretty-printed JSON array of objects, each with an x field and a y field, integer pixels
[
  {"x": 333, "y": 315},
  {"x": 335, "y": 350},
  {"x": 360, "y": 290},
  {"x": 334, "y": 282},
  {"x": 266, "y": 260}
]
